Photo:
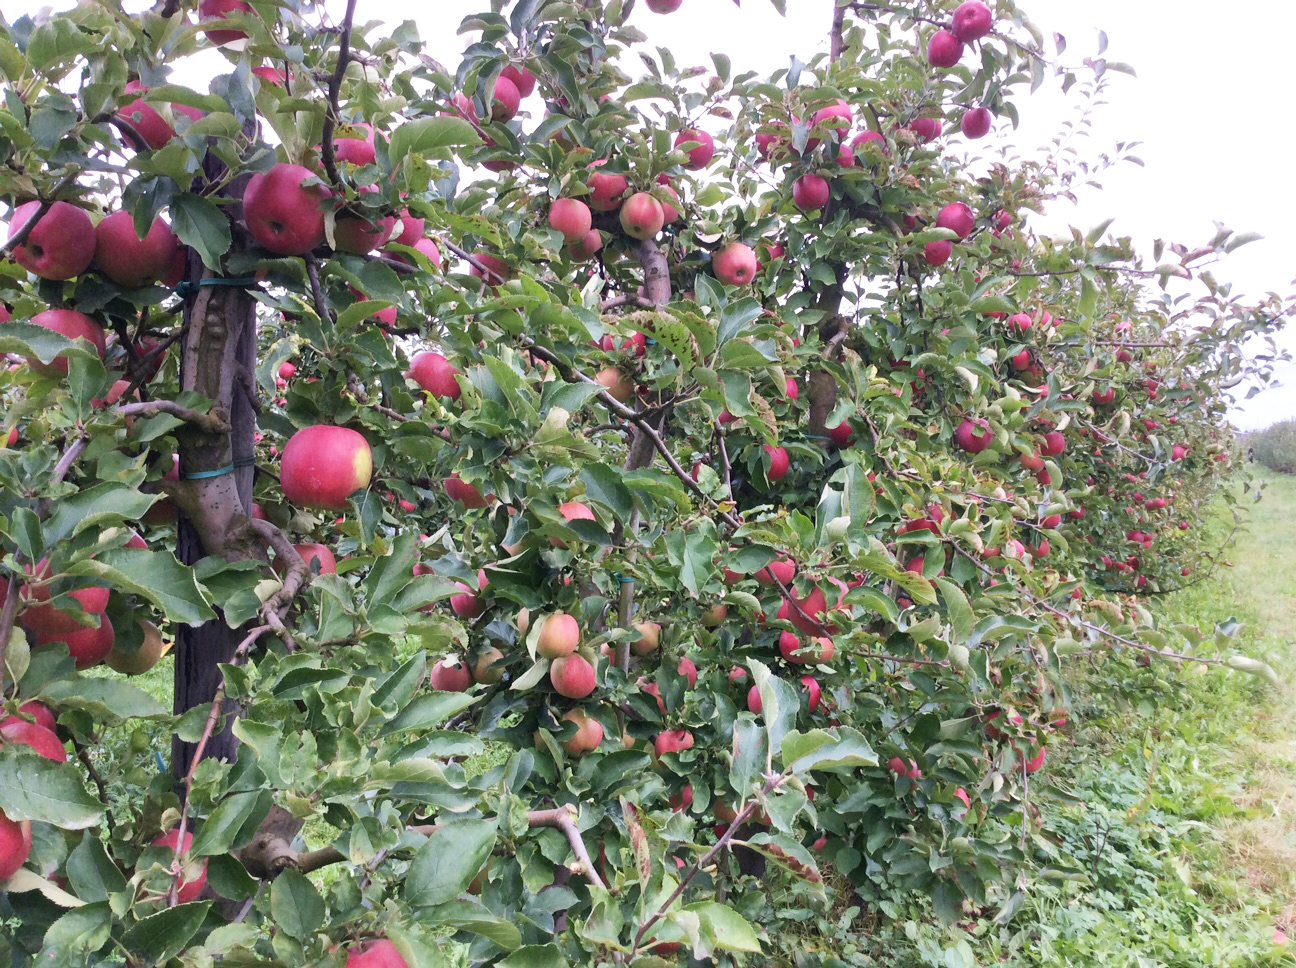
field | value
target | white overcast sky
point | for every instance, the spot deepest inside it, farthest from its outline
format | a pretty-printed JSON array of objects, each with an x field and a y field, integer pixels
[{"x": 1209, "y": 107}]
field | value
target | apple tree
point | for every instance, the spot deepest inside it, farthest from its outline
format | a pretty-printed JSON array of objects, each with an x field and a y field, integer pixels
[{"x": 586, "y": 492}]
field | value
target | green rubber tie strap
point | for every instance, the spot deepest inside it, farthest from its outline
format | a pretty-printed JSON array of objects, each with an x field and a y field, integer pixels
[
  {"x": 186, "y": 289},
  {"x": 221, "y": 471}
]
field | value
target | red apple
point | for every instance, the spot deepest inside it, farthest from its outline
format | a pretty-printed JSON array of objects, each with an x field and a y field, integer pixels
[
  {"x": 673, "y": 741},
  {"x": 925, "y": 129},
  {"x": 586, "y": 247},
  {"x": 435, "y": 374},
  {"x": 450, "y": 674},
  {"x": 642, "y": 216},
  {"x": 589, "y": 733},
  {"x": 128, "y": 260},
  {"x": 944, "y": 49},
  {"x": 703, "y": 151},
  {"x": 322, "y": 466},
  {"x": 360, "y": 235},
  {"x": 754, "y": 704},
  {"x": 937, "y": 253},
  {"x": 810, "y": 192},
  {"x": 375, "y": 954},
  {"x": 572, "y": 676},
  {"x": 571, "y": 217},
  {"x": 649, "y": 638},
  {"x": 142, "y": 118},
  {"x": 505, "y": 99},
  {"x": 73, "y": 325},
  {"x": 688, "y": 670},
  {"x": 283, "y": 213},
  {"x": 813, "y": 692},
  {"x": 735, "y": 264},
  {"x": 15, "y": 845},
  {"x": 664, "y": 6},
  {"x": 966, "y": 435},
  {"x": 194, "y": 877},
  {"x": 559, "y": 636},
  {"x": 60, "y": 246},
  {"x": 317, "y": 553},
  {"x": 354, "y": 144},
  {"x": 217, "y": 10},
  {"x": 972, "y": 21},
  {"x": 975, "y": 123},
  {"x": 779, "y": 463},
  {"x": 606, "y": 191},
  {"x": 465, "y": 494},
  {"x": 958, "y": 218},
  {"x": 43, "y": 742},
  {"x": 522, "y": 79}
]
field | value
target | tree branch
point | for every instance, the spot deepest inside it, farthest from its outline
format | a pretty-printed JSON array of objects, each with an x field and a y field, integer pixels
[
  {"x": 208, "y": 423},
  {"x": 334, "y": 112}
]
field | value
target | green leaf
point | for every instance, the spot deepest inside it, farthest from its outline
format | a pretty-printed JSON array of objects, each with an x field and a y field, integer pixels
[
  {"x": 232, "y": 824},
  {"x": 603, "y": 485},
  {"x": 780, "y": 703},
  {"x": 1254, "y": 667},
  {"x": 729, "y": 928},
  {"x": 428, "y": 136},
  {"x": 199, "y": 222},
  {"x": 153, "y": 575},
  {"x": 827, "y": 749},
  {"x": 957, "y": 608},
  {"x": 535, "y": 956},
  {"x": 429, "y": 712},
  {"x": 750, "y": 753},
  {"x": 91, "y": 873},
  {"x": 98, "y": 507},
  {"x": 110, "y": 702},
  {"x": 165, "y": 934},
  {"x": 445, "y": 865},
  {"x": 76, "y": 935},
  {"x": 37, "y": 342},
  {"x": 295, "y": 905},
  {"x": 469, "y": 914},
  {"x": 34, "y": 788}
]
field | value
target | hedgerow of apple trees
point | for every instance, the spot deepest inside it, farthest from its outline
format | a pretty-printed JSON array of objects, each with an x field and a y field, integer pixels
[{"x": 602, "y": 518}]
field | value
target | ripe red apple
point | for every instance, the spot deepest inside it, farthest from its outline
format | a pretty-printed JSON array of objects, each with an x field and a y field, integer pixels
[
  {"x": 73, "y": 325},
  {"x": 39, "y": 713},
  {"x": 937, "y": 253},
  {"x": 43, "y": 742},
  {"x": 673, "y": 741},
  {"x": 284, "y": 214},
  {"x": 60, "y": 246},
  {"x": 925, "y": 129},
  {"x": 467, "y": 604},
  {"x": 773, "y": 146},
  {"x": 735, "y": 264},
  {"x": 944, "y": 49},
  {"x": 496, "y": 267},
  {"x": 313, "y": 554},
  {"x": 87, "y": 646},
  {"x": 967, "y": 438},
  {"x": 322, "y": 466},
  {"x": 1104, "y": 396},
  {"x": 272, "y": 75},
  {"x": 617, "y": 383},
  {"x": 813, "y": 692},
  {"x": 589, "y": 733},
  {"x": 783, "y": 569},
  {"x": 359, "y": 235},
  {"x": 465, "y": 494},
  {"x": 606, "y": 191},
  {"x": 559, "y": 636},
  {"x": 522, "y": 79},
  {"x": 836, "y": 116},
  {"x": 642, "y": 216},
  {"x": 572, "y": 676},
  {"x": 194, "y": 877},
  {"x": 586, "y": 247},
  {"x": 15, "y": 845},
  {"x": 154, "y": 130},
  {"x": 664, "y": 6},
  {"x": 505, "y": 99},
  {"x": 700, "y": 155},
  {"x": 779, "y": 463},
  {"x": 754, "y": 704},
  {"x": 810, "y": 192},
  {"x": 1054, "y": 444},
  {"x": 897, "y": 766},
  {"x": 571, "y": 217},
  {"x": 972, "y": 21},
  {"x": 128, "y": 260},
  {"x": 713, "y": 616},
  {"x": 1178, "y": 452},
  {"x": 435, "y": 374},
  {"x": 375, "y": 954},
  {"x": 450, "y": 674},
  {"x": 975, "y": 123},
  {"x": 958, "y": 218},
  {"x": 688, "y": 670},
  {"x": 217, "y": 10}
]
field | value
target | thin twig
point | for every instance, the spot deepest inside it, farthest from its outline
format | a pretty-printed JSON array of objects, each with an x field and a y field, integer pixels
[{"x": 333, "y": 114}]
